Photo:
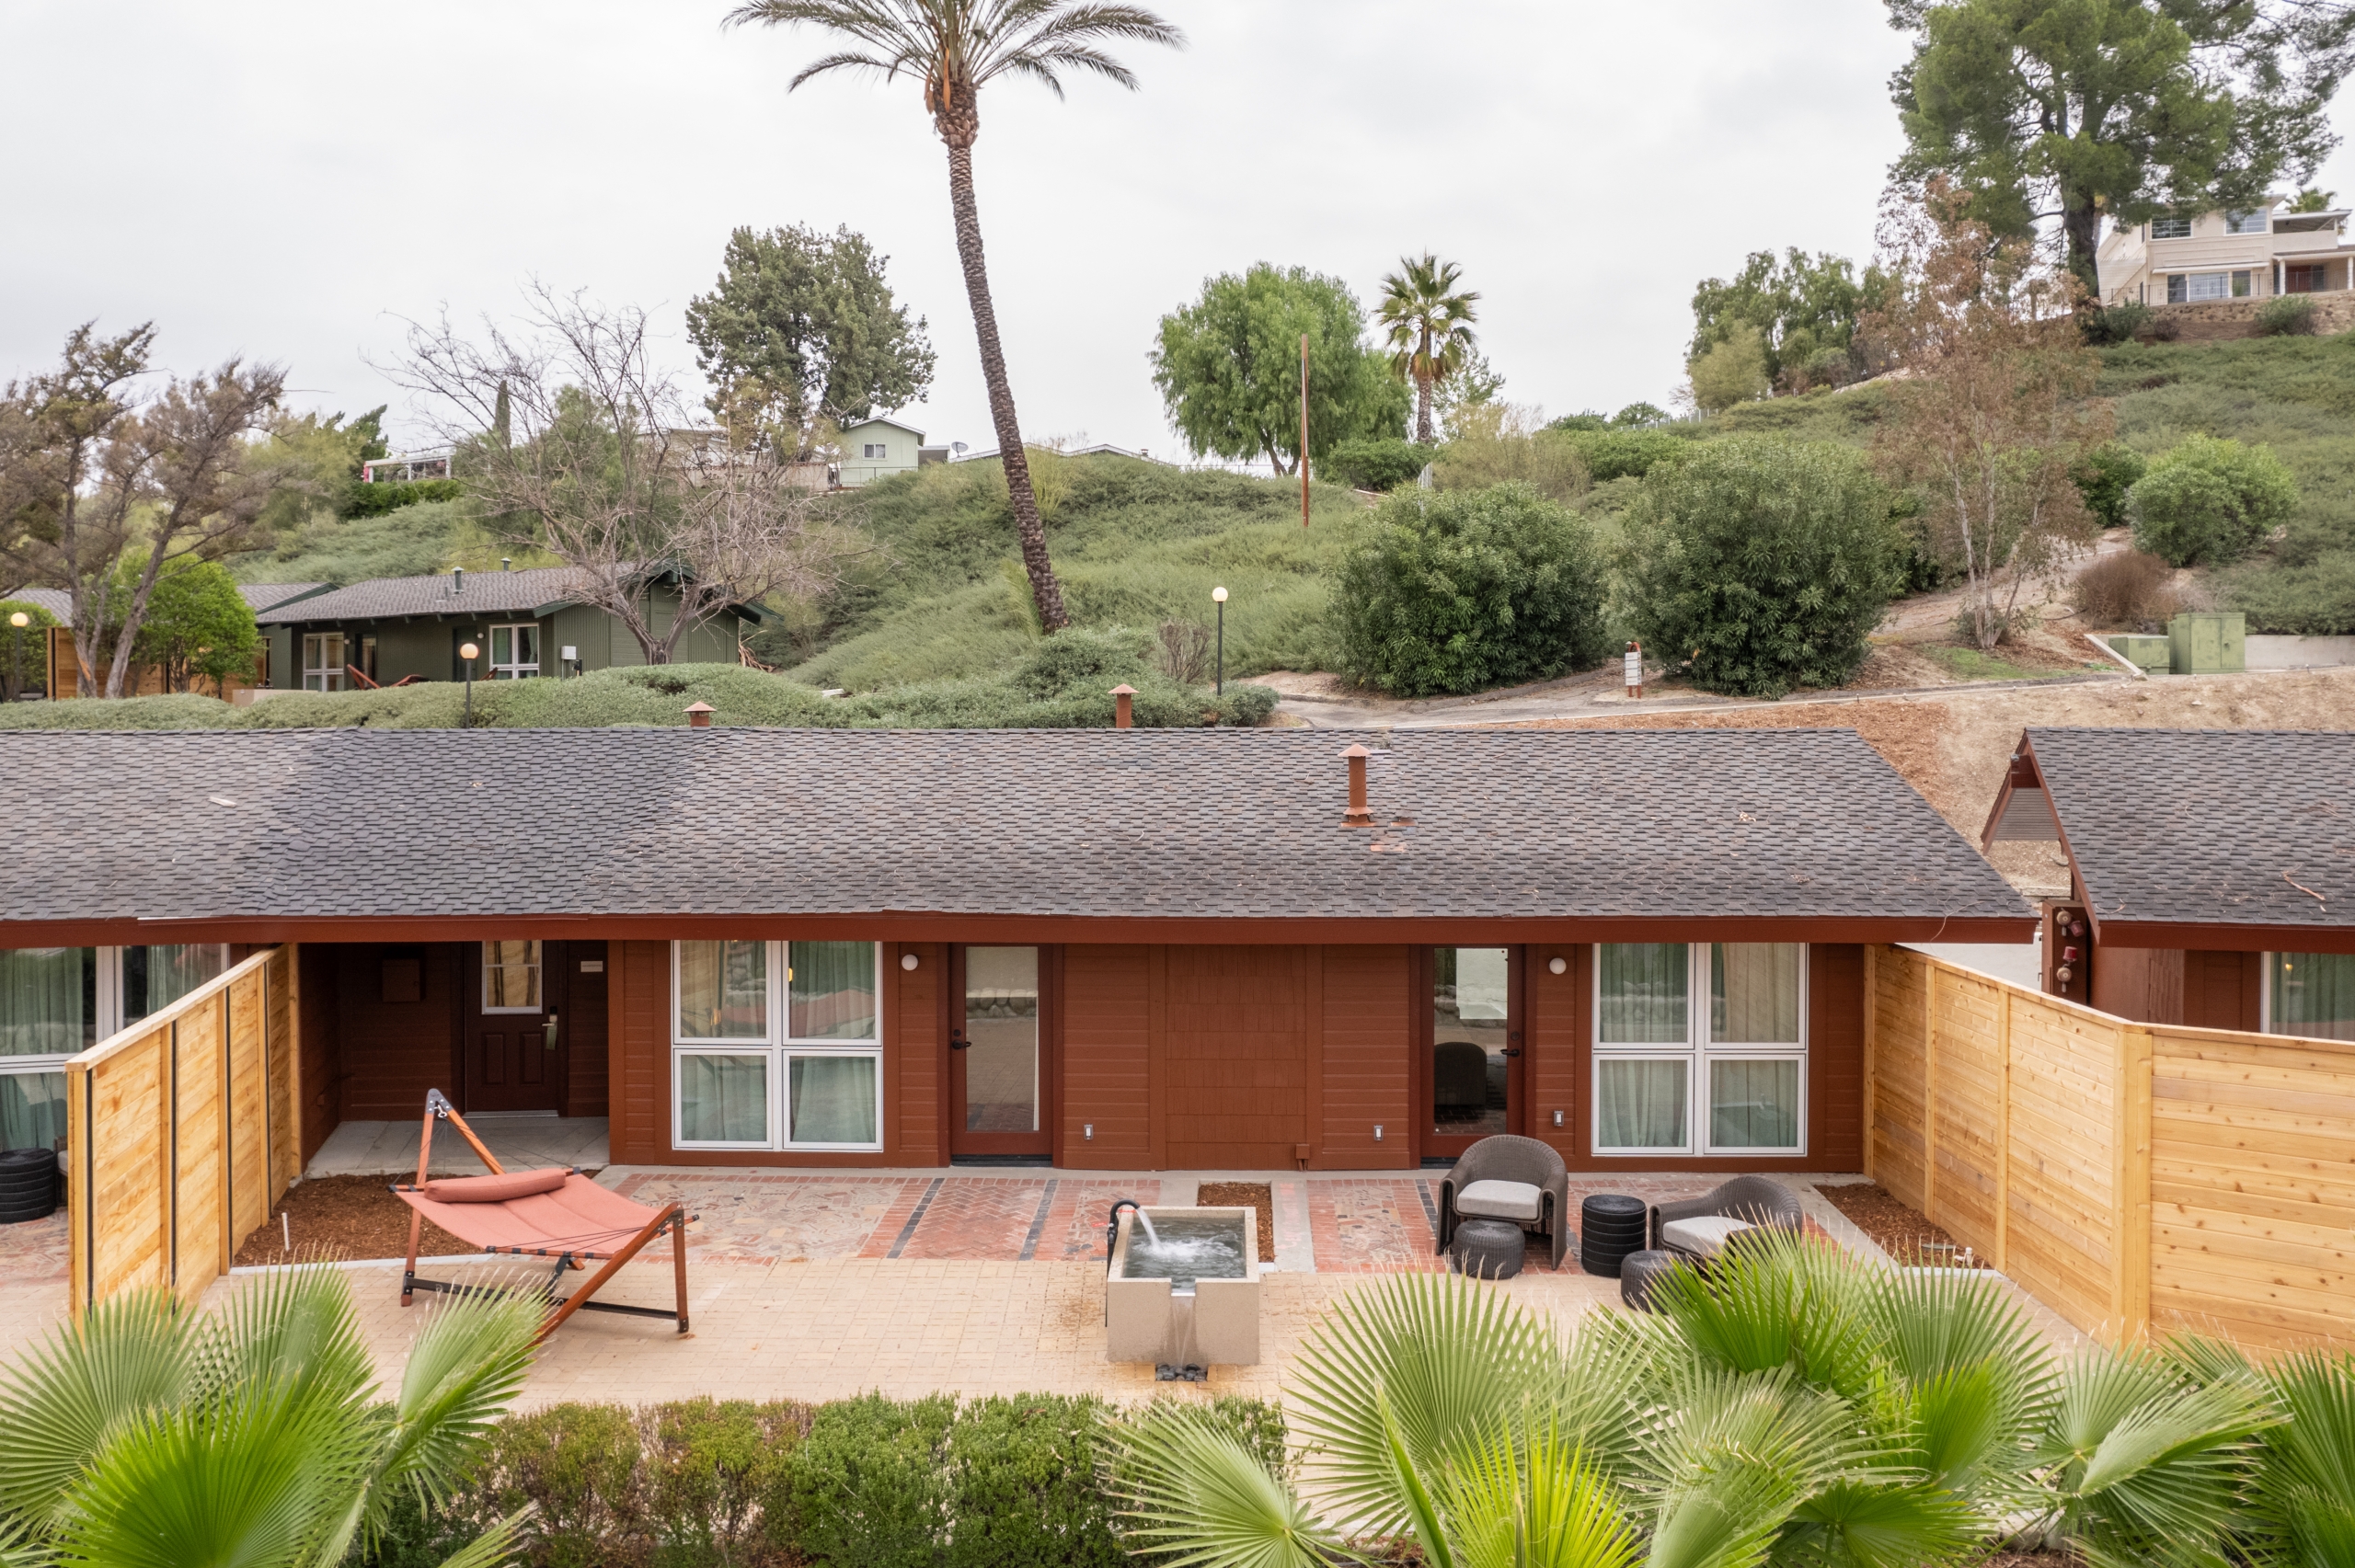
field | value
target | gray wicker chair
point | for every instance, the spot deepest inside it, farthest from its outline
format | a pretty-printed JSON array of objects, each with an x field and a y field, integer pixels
[
  {"x": 1459, "y": 1076},
  {"x": 1524, "y": 1161},
  {"x": 1760, "y": 1200}
]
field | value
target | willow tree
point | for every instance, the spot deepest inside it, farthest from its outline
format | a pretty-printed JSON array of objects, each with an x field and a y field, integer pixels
[{"x": 955, "y": 47}]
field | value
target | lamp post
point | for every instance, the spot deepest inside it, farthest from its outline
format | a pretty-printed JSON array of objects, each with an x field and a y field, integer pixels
[
  {"x": 1218, "y": 597},
  {"x": 468, "y": 652},
  {"x": 20, "y": 621}
]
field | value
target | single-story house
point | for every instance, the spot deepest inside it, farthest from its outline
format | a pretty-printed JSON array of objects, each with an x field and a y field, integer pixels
[
  {"x": 1107, "y": 949},
  {"x": 878, "y": 448},
  {"x": 58, "y": 672},
  {"x": 2211, "y": 872},
  {"x": 522, "y": 623}
]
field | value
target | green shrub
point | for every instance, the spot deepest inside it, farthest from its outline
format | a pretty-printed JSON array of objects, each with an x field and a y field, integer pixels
[
  {"x": 1382, "y": 462},
  {"x": 1629, "y": 453},
  {"x": 2311, "y": 599},
  {"x": 711, "y": 1469},
  {"x": 2209, "y": 501},
  {"x": 867, "y": 1487},
  {"x": 375, "y": 500},
  {"x": 2116, "y": 324},
  {"x": 577, "y": 1465},
  {"x": 1463, "y": 590},
  {"x": 2105, "y": 476},
  {"x": 1026, "y": 1493},
  {"x": 2286, "y": 315},
  {"x": 1761, "y": 565}
]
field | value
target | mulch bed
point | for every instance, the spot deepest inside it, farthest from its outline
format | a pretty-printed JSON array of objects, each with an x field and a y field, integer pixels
[
  {"x": 1244, "y": 1195},
  {"x": 1901, "y": 1232},
  {"x": 343, "y": 1216}
]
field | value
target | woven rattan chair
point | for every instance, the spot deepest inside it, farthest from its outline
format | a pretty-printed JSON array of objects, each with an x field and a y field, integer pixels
[
  {"x": 1753, "y": 1200},
  {"x": 1516, "y": 1179}
]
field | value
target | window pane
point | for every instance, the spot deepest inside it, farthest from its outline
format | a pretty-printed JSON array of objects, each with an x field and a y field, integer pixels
[
  {"x": 2170, "y": 228},
  {"x": 527, "y": 643},
  {"x": 1754, "y": 1105},
  {"x": 831, "y": 990},
  {"x": 1001, "y": 1039},
  {"x": 723, "y": 991},
  {"x": 502, "y": 646},
  {"x": 832, "y": 1099},
  {"x": 155, "y": 978},
  {"x": 2314, "y": 994},
  {"x": 1468, "y": 1020},
  {"x": 1644, "y": 987},
  {"x": 723, "y": 1098},
  {"x": 49, "y": 1001},
  {"x": 511, "y": 975},
  {"x": 1640, "y": 1105},
  {"x": 1754, "y": 992},
  {"x": 32, "y": 1110}
]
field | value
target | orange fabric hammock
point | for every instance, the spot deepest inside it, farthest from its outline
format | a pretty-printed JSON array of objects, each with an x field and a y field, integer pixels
[{"x": 544, "y": 1214}]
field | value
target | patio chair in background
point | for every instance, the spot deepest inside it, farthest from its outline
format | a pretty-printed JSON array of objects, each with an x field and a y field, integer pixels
[
  {"x": 1459, "y": 1076},
  {"x": 554, "y": 1213},
  {"x": 1516, "y": 1179},
  {"x": 1700, "y": 1227}
]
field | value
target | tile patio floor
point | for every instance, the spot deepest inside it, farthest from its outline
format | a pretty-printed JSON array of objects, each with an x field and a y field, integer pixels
[{"x": 820, "y": 1285}]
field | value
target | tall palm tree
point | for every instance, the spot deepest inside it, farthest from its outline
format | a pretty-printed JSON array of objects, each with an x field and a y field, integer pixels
[
  {"x": 954, "y": 48},
  {"x": 1431, "y": 328}
]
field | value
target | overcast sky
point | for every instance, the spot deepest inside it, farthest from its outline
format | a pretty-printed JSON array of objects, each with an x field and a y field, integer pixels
[{"x": 288, "y": 179}]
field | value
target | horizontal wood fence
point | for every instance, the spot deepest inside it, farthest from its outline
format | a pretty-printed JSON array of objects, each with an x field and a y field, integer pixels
[
  {"x": 181, "y": 1133},
  {"x": 2130, "y": 1176}
]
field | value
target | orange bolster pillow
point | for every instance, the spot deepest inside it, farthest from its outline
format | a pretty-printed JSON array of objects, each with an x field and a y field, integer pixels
[{"x": 496, "y": 1189}]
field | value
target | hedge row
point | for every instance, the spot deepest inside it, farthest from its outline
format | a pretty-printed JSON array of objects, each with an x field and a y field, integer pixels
[{"x": 1023, "y": 1481}]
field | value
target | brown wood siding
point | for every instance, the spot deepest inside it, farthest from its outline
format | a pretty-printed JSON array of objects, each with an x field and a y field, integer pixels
[
  {"x": 588, "y": 1075},
  {"x": 1364, "y": 993},
  {"x": 913, "y": 1053},
  {"x": 2141, "y": 983},
  {"x": 640, "y": 1134},
  {"x": 2222, "y": 991},
  {"x": 1835, "y": 1056},
  {"x": 1556, "y": 1037},
  {"x": 1104, "y": 1066},
  {"x": 394, "y": 1052},
  {"x": 1237, "y": 1074},
  {"x": 317, "y": 984}
]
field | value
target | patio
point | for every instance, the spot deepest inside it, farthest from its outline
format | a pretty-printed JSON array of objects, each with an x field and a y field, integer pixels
[{"x": 819, "y": 1286}]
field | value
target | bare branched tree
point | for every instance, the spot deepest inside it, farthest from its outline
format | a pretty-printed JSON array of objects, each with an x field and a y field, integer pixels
[
  {"x": 573, "y": 440},
  {"x": 99, "y": 490},
  {"x": 1993, "y": 406}
]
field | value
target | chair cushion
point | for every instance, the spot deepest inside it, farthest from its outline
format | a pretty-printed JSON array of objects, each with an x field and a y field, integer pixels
[
  {"x": 1704, "y": 1236},
  {"x": 496, "y": 1189},
  {"x": 1501, "y": 1200}
]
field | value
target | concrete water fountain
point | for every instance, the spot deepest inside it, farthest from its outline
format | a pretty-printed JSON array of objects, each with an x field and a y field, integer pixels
[{"x": 1181, "y": 1289}]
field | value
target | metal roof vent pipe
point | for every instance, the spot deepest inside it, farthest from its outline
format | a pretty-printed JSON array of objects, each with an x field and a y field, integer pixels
[
  {"x": 700, "y": 714},
  {"x": 1124, "y": 707},
  {"x": 457, "y": 579},
  {"x": 1358, "y": 814}
]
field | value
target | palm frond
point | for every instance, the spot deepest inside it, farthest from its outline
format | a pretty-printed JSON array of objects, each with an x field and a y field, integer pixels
[
  {"x": 1533, "y": 1503},
  {"x": 1869, "y": 1525},
  {"x": 295, "y": 1323},
  {"x": 1198, "y": 1498},
  {"x": 1729, "y": 1457},
  {"x": 495, "y": 1545},
  {"x": 466, "y": 1366},
  {"x": 131, "y": 1353},
  {"x": 2303, "y": 1488}
]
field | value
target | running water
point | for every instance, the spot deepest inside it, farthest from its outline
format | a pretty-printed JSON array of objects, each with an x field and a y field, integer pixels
[
  {"x": 1187, "y": 1248},
  {"x": 1146, "y": 1221}
]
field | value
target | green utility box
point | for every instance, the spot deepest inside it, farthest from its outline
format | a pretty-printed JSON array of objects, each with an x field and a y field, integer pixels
[
  {"x": 2153, "y": 654},
  {"x": 2208, "y": 642}
]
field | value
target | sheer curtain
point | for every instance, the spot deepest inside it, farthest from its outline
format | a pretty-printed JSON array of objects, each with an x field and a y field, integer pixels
[
  {"x": 723, "y": 991},
  {"x": 1754, "y": 992},
  {"x": 32, "y": 1110},
  {"x": 49, "y": 1001},
  {"x": 2314, "y": 994},
  {"x": 1645, "y": 985},
  {"x": 832, "y": 1099},
  {"x": 1753, "y": 1105},
  {"x": 1641, "y": 1104},
  {"x": 833, "y": 990},
  {"x": 155, "y": 978},
  {"x": 723, "y": 1098}
]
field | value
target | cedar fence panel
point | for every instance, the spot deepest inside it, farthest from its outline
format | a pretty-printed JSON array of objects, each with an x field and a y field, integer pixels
[{"x": 181, "y": 1133}]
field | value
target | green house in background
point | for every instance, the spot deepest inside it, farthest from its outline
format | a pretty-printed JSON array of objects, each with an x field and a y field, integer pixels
[{"x": 526, "y": 623}]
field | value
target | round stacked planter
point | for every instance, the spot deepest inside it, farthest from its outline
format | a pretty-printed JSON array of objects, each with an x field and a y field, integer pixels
[
  {"x": 28, "y": 1185},
  {"x": 1611, "y": 1226}
]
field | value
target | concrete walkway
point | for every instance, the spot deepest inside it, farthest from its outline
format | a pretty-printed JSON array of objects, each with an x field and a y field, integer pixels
[{"x": 389, "y": 1149}]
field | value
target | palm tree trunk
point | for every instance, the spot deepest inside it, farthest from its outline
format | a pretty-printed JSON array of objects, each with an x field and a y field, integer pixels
[
  {"x": 1423, "y": 408},
  {"x": 1045, "y": 591}
]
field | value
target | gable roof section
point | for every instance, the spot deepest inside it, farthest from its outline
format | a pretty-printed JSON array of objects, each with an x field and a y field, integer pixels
[
  {"x": 883, "y": 419},
  {"x": 485, "y": 593},
  {"x": 258, "y": 596},
  {"x": 1105, "y": 826},
  {"x": 2205, "y": 838}
]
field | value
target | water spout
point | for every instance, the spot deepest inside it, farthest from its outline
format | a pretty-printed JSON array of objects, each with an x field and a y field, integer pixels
[{"x": 1151, "y": 1236}]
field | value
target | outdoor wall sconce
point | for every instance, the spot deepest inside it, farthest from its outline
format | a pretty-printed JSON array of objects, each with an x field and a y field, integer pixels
[
  {"x": 1087, "y": 1132},
  {"x": 907, "y": 960},
  {"x": 1377, "y": 1132},
  {"x": 1557, "y": 1118},
  {"x": 1558, "y": 965}
]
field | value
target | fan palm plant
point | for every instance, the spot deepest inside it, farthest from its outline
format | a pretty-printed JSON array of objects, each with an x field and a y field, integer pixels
[
  {"x": 1431, "y": 328},
  {"x": 149, "y": 1436},
  {"x": 955, "y": 47}
]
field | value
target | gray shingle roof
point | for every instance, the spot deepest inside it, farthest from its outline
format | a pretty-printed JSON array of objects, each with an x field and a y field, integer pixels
[
  {"x": 258, "y": 596},
  {"x": 1786, "y": 824},
  {"x": 2207, "y": 826},
  {"x": 56, "y": 600},
  {"x": 487, "y": 593}
]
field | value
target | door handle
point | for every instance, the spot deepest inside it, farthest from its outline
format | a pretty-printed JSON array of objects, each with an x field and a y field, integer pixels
[
  {"x": 548, "y": 1032},
  {"x": 957, "y": 1041},
  {"x": 1512, "y": 1050}
]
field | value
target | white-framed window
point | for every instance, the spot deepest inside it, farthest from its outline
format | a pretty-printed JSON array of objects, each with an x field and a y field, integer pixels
[
  {"x": 511, "y": 977},
  {"x": 2311, "y": 994},
  {"x": 56, "y": 1002},
  {"x": 323, "y": 661},
  {"x": 776, "y": 1045},
  {"x": 2170, "y": 228},
  {"x": 2184, "y": 287},
  {"x": 515, "y": 651},
  {"x": 876, "y": 449},
  {"x": 1700, "y": 1048},
  {"x": 2255, "y": 221},
  {"x": 2240, "y": 285}
]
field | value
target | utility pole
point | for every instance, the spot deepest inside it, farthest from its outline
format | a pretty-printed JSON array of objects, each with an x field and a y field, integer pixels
[{"x": 1304, "y": 430}]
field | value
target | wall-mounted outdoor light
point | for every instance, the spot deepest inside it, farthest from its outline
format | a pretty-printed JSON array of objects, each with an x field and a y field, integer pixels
[
  {"x": 1377, "y": 1132},
  {"x": 1558, "y": 965},
  {"x": 1557, "y": 1118},
  {"x": 468, "y": 652},
  {"x": 907, "y": 960}
]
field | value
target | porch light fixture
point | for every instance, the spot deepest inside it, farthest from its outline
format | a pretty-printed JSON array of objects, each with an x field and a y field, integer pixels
[
  {"x": 1558, "y": 965},
  {"x": 468, "y": 652},
  {"x": 20, "y": 621},
  {"x": 1218, "y": 597},
  {"x": 907, "y": 961}
]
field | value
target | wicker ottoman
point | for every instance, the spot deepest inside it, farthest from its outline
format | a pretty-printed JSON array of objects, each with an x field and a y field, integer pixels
[
  {"x": 1487, "y": 1248},
  {"x": 1636, "y": 1273},
  {"x": 1611, "y": 1226}
]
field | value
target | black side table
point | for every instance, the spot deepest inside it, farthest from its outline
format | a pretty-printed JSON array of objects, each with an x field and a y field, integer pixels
[{"x": 1611, "y": 1226}]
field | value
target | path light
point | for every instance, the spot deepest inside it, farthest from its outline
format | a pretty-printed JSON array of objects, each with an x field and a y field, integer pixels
[
  {"x": 468, "y": 652},
  {"x": 20, "y": 621},
  {"x": 1218, "y": 597}
]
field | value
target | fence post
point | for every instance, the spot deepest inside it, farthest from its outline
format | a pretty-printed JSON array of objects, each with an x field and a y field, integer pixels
[
  {"x": 2003, "y": 1259},
  {"x": 1930, "y": 1088},
  {"x": 2130, "y": 1248}
]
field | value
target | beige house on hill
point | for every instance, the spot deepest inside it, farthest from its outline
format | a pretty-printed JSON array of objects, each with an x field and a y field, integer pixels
[{"x": 2227, "y": 255}]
